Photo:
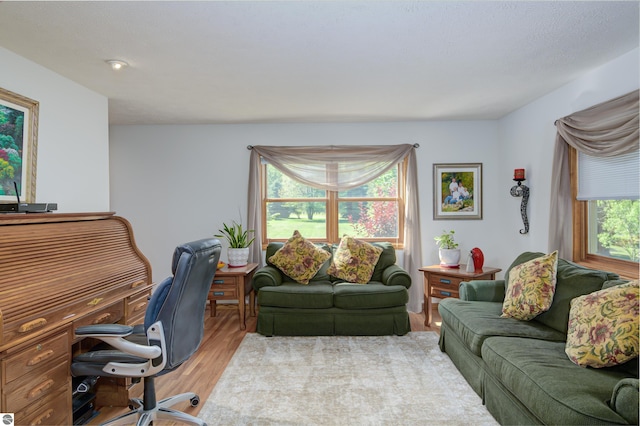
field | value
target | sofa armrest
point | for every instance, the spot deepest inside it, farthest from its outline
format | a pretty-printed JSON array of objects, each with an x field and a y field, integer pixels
[
  {"x": 483, "y": 290},
  {"x": 625, "y": 399},
  {"x": 266, "y": 276},
  {"x": 395, "y": 275}
]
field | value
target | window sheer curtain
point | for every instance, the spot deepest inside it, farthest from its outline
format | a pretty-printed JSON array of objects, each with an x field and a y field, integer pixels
[
  {"x": 604, "y": 130},
  {"x": 355, "y": 166}
]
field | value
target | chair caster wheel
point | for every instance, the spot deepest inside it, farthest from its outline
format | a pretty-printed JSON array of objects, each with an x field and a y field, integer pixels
[{"x": 195, "y": 401}]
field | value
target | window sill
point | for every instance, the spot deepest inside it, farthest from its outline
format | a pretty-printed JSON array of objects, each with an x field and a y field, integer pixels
[{"x": 626, "y": 270}]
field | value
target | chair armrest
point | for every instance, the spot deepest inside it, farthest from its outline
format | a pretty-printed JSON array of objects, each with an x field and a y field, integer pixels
[
  {"x": 114, "y": 334},
  {"x": 129, "y": 359},
  {"x": 266, "y": 276},
  {"x": 395, "y": 275},
  {"x": 483, "y": 290},
  {"x": 99, "y": 330},
  {"x": 625, "y": 399}
]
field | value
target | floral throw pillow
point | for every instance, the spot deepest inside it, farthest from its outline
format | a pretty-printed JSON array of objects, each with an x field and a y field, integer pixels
[
  {"x": 354, "y": 260},
  {"x": 299, "y": 258},
  {"x": 531, "y": 288},
  {"x": 603, "y": 327}
]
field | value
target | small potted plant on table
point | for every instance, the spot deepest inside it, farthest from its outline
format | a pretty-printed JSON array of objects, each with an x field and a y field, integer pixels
[
  {"x": 449, "y": 252},
  {"x": 239, "y": 241}
]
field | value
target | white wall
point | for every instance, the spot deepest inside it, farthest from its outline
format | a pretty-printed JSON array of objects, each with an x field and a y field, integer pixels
[
  {"x": 527, "y": 140},
  {"x": 73, "y": 135},
  {"x": 177, "y": 183}
]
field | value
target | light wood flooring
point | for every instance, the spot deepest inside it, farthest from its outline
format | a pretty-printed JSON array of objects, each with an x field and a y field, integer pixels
[{"x": 222, "y": 336}]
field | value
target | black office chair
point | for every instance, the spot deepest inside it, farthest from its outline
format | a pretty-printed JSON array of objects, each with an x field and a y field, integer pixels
[{"x": 172, "y": 332}]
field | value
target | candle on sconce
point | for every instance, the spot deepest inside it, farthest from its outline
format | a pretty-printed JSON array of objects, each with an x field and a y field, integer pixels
[{"x": 518, "y": 174}]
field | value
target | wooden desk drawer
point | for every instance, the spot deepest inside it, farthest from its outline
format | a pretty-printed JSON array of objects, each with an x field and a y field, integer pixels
[
  {"x": 444, "y": 282},
  {"x": 41, "y": 383},
  {"x": 444, "y": 286},
  {"x": 224, "y": 281},
  {"x": 223, "y": 292},
  {"x": 56, "y": 411},
  {"x": 224, "y": 288},
  {"x": 108, "y": 315},
  {"x": 35, "y": 356},
  {"x": 442, "y": 293},
  {"x": 136, "y": 308}
]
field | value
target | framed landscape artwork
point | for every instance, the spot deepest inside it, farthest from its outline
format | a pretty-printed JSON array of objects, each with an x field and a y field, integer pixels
[
  {"x": 18, "y": 147},
  {"x": 457, "y": 191}
]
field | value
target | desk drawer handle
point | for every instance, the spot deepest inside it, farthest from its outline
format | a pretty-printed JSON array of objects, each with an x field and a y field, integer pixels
[
  {"x": 445, "y": 293},
  {"x": 102, "y": 319},
  {"x": 40, "y": 357},
  {"x": 42, "y": 418},
  {"x": 218, "y": 293},
  {"x": 43, "y": 387},
  {"x": 140, "y": 307},
  {"x": 137, "y": 283},
  {"x": 218, "y": 281},
  {"x": 444, "y": 281},
  {"x": 28, "y": 326}
]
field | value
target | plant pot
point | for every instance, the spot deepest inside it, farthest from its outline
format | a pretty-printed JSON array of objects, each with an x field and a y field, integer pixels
[
  {"x": 238, "y": 257},
  {"x": 449, "y": 258}
]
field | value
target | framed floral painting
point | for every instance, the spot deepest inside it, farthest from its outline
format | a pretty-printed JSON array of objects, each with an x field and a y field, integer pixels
[
  {"x": 18, "y": 147},
  {"x": 457, "y": 191}
]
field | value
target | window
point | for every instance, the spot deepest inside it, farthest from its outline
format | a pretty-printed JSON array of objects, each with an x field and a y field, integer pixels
[
  {"x": 605, "y": 223},
  {"x": 373, "y": 211}
]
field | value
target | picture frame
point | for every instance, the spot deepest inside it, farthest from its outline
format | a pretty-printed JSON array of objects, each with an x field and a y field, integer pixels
[
  {"x": 18, "y": 147},
  {"x": 453, "y": 201}
]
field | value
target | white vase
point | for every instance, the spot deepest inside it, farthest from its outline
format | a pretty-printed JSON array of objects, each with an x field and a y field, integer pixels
[
  {"x": 449, "y": 257},
  {"x": 238, "y": 256}
]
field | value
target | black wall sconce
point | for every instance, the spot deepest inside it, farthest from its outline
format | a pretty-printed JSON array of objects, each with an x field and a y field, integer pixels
[{"x": 521, "y": 190}]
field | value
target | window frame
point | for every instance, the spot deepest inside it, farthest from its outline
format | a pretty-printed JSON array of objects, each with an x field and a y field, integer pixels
[
  {"x": 332, "y": 201},
  {"x": 580, "y": 219}
]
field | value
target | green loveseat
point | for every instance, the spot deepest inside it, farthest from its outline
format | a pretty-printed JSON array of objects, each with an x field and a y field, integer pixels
[
  {"x": 520, "y": 369},
  {"x": 329, "y": 306}
]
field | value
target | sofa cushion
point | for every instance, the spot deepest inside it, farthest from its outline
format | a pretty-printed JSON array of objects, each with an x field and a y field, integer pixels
[
  {"x": 370, "y": 296},
  {"x": 573, "y": 280},
  {"x": 554, "y": 389},
  {"x": 476, "y": 321},
  {"x": 603, "y": 327},
  {"x": 299, "y": 258},
  {"x": 354, "y": 260},
  {"x": 386, "y": 259},
  {"x": 530, "y": 288},
  {"x": 315, "y": 295},
  {"x": 523, "y": 257}
]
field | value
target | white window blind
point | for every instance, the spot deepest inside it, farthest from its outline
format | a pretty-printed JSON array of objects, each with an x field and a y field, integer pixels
[{"x": 609, "y": 178}]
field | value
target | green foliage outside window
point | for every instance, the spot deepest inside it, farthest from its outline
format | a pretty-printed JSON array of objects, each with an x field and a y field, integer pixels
[{"x": 618, "y": 228}]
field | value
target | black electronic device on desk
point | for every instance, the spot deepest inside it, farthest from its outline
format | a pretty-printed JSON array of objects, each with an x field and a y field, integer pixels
[{"x": 26, "y": 207}]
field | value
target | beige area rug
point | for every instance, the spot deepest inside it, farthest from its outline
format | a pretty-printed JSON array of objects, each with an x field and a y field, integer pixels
[{"x": 339, "y": 380}]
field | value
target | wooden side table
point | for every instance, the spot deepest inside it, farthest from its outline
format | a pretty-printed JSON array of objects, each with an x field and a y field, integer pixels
[
  {"x": 444, "y": 282},
  {"x": 234, "y": 284}
]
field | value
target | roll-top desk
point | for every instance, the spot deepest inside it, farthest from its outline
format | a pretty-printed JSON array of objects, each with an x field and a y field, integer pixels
[{"x": 57, "y": 272}]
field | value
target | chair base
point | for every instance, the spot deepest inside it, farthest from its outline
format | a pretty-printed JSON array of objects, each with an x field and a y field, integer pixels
[{"x": 160, "y": 412}]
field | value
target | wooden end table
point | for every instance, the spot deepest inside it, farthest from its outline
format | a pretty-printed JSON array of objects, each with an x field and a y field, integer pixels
[
  {"x": 444, "y": 282},
  {"x": 234, "y": 284}
]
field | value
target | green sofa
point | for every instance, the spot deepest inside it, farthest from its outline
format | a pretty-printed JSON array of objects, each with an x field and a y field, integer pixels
[
  {"x": 328, "y": 306},
  {"x": 520, "y": 369}
]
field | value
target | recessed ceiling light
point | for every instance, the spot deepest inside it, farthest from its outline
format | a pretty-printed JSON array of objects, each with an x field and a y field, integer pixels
[{"x": 116, "y": 64}]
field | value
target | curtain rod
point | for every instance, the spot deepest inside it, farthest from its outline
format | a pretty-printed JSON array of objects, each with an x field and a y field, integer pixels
[{"x": 415, "y": 145}]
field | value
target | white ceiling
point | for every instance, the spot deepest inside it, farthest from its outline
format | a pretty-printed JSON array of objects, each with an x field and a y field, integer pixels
[{"x": 318, "y": 61}]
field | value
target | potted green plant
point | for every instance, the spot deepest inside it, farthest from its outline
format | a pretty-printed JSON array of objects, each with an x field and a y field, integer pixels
[
  {"x": 239, "y": 240},
  {"x": 449, "y": 252}
]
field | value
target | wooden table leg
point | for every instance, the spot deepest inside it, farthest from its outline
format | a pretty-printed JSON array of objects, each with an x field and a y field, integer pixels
[
  {"x": 241, "y": 303},
  {"x": 212, "y": 304},
  {"x": 427, "y": 302}
]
